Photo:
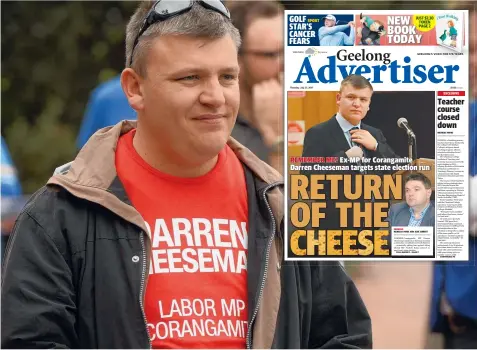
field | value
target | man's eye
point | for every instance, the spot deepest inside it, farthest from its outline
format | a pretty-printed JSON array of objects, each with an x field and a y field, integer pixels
[
  {"x": 229, "y": 76},
  {"x": 190, "y": 77},
  {"x": 271, "y": 54}
]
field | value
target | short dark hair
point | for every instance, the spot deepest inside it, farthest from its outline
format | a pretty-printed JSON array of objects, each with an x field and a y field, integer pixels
[
  {"x": 243, "y": 13},
  {"x": 419, "y": 177},
  {"x": 356, "y": 81}
]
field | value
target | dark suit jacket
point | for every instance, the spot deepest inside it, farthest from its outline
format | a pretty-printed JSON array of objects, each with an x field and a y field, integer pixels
[
  {"x": 328, "y": 140},
  {"x": 399, "y": 215}
]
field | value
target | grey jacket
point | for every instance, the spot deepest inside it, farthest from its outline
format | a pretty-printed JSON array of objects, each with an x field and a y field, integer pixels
[{"x": 399, "y": 215}]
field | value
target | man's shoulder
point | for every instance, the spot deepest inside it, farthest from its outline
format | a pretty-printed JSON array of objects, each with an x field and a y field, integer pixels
[
  {"x": 371, "y": 129},
  {"x": 431, "y": 207},
  {"x": 54, "y": 215},
  {"x": 45, "y": 203},
  {"x": 397, "y": 207},
  {"x": 323, "y": 126},
  {"x": 52, "y": 206}
]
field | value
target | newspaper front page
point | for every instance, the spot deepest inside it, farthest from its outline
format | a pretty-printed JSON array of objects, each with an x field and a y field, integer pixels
[{"x": 377, "y": 141}]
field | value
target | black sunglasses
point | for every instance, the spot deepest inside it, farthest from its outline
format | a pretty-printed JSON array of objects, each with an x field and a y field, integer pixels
[{"x": 165, "y": 9}]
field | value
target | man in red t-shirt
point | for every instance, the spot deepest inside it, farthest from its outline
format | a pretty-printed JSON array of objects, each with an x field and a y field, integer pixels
[
  {"x": 187, "y": 184},
  {"x": 167, "y": 233}
]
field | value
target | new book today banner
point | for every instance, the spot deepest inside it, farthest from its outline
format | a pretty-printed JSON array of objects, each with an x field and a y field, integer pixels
[{"x": 382, "y": 171}]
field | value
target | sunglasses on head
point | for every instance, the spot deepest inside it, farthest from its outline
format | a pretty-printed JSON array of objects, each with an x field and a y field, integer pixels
[{"x": 165, "y": 9}]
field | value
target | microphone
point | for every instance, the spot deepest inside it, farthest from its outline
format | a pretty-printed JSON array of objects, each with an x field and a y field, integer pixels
[{"x": 402, "y": 123}]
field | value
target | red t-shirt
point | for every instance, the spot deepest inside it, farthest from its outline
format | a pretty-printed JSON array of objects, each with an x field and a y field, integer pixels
[{"x": 196, "y": 294}]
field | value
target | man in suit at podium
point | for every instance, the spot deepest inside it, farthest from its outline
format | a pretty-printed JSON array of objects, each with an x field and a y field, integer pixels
[
  {"x": 344, "y": 135},
  {"x": 418, "y": 209}
]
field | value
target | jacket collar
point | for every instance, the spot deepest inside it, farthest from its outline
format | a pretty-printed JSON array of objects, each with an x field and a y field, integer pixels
[{"x": 92, "y": 175}]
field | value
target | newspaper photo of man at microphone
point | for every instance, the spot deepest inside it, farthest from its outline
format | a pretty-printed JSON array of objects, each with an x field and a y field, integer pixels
[{"x": 352, "y": 173}]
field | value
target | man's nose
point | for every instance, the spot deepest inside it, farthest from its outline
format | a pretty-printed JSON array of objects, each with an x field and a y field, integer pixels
[{"x": 213, "y": 94}]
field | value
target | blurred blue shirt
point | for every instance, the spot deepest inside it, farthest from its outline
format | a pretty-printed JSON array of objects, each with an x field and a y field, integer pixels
[
  {"x": 107, "y": 106},
  {"x": 10, "y": 183}
]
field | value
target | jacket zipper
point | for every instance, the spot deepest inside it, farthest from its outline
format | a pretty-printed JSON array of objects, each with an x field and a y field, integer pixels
[
  {"x": 143, "y": 282},
  {"x": 265, "y": 271}
]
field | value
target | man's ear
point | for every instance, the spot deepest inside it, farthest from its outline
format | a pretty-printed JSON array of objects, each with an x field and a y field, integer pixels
[
  {"x": 131, "y": 82},
  {"x": 338, "y": 98},
  {"x": 428, "y": 193}
]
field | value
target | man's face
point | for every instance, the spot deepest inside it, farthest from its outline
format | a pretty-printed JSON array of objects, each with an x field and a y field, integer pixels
[
  {"x": 416, "y": 194},
  {"x": 353, "y": 104},
  {"x": 190, "y": 95},
  {"x": 262, "y": 57},
  {"x": 329, "y": 23}
]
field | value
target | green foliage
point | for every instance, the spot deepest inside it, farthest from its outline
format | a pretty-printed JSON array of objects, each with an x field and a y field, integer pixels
[
  {"x": 41, "y": 146},
  {"x": 53, "y": 55}
]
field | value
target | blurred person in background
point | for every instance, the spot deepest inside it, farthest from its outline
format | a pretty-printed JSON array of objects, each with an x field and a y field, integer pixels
[
  {"x": 10, "y": 196},
  {"x": 107, "y": 106},
  {"x": 259, "y": 125},
  {"x": 101, "y": 257}
]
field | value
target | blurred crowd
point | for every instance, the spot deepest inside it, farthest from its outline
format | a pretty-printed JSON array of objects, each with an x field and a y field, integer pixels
[{"x": 259, "y": 127}]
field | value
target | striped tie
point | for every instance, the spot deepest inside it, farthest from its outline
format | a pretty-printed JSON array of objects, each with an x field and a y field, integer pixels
[
  {"x": 354, "y": 143},
  {"x": 364, "y": 155},
  {"x": 360, "y": 146}
]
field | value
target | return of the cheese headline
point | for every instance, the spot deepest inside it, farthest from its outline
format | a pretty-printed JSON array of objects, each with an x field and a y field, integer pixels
[{"x": 356, "y": 199}]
